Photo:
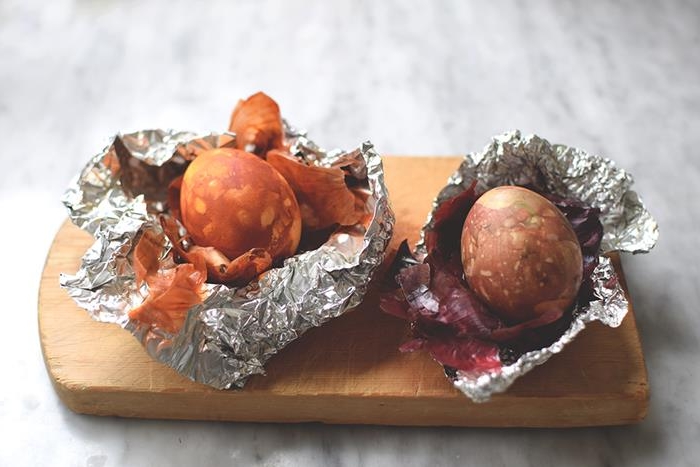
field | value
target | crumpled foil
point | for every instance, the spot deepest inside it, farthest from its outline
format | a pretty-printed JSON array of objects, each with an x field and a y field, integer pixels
[
  {"x": 234, "y": 331},
  {"x": 572, "y": 173}
]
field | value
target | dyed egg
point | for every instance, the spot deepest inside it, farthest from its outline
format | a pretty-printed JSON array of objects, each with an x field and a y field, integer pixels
[
  {"x": 234, "y": 201},
  {"x": 520, "y": 254}
]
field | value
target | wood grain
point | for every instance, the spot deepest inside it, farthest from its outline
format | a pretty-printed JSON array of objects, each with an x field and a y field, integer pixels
[{"x": 347, "y": 371}]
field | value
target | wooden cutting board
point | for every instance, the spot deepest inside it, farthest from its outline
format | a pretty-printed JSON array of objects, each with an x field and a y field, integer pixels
[{"x": 349, "y": 370}]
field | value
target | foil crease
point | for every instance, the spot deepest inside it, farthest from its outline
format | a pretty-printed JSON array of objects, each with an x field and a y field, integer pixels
[
  {"x": 511, "y": 159},
  {"x": 234, "y": 331}
]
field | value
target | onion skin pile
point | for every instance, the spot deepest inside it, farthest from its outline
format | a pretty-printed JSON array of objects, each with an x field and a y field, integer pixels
[
  {"x": 172, "y": 288},
  {"x": 243, "y": 207},
  {"x": 246, "y": 205},
  {"x": 234, "y": 201},
  {"x": 450, "y": 319},
  {"x": 257, "y": 123},
  {"x": 520, "y": 254}
]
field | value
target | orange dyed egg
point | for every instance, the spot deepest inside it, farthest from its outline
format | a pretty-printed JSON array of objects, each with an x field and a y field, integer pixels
[{"x": 234, "y": 201}]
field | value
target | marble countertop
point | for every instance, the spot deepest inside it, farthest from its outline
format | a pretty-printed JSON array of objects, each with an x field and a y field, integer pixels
[{"x": 621, "y": 79}]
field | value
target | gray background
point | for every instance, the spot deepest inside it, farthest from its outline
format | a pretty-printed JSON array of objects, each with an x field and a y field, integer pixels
[{"x": 619, "y": 79}]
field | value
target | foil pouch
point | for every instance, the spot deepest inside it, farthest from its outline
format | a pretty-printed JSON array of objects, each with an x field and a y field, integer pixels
[
  {"x": 234, "y": 331},
  {"x": 511, "y": 159}
]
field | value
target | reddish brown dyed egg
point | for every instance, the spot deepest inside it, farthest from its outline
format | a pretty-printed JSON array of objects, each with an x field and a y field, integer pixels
[
  {"x": 234, "y": 201},
  {"x": 520, "y": 254}
]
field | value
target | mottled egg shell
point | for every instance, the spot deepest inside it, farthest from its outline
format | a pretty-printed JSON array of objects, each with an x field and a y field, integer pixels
[
  {"x": 520, "y": 254},
  {"x": 234, "y": 201}
]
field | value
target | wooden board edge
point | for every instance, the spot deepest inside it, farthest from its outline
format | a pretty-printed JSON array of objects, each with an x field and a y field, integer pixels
[
  {"x": 642, "y": 393},
  {"x": 63, "y": 391},
  {"x": 353, "y": 410}
]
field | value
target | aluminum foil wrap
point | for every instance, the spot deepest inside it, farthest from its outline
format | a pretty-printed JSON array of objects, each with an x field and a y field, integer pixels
[
  {"x": 234, "y": 331},
  {"x": 572, "y": 173}
]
